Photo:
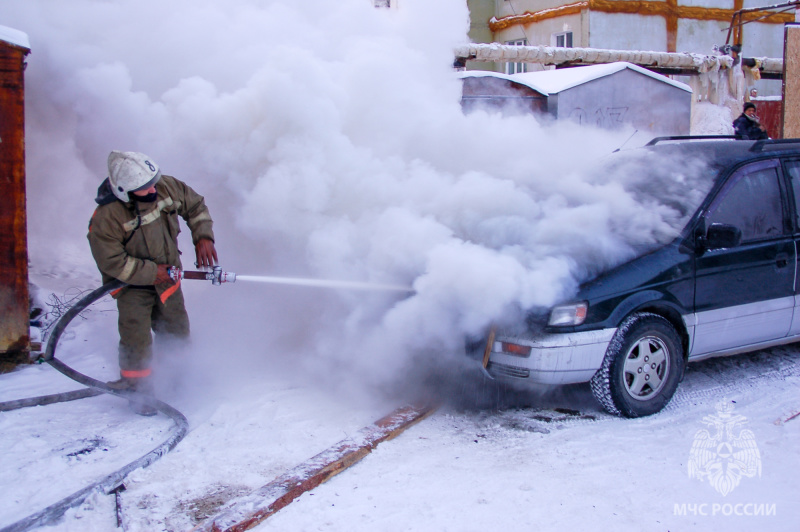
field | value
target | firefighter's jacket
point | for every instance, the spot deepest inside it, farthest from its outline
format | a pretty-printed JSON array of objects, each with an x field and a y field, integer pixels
[{"x": 129, "y": 240}]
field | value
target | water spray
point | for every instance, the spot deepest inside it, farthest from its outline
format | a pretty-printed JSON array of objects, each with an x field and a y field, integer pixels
[
  {"x": 217, "y": 277},
  {"x": 326, "y": 283}
]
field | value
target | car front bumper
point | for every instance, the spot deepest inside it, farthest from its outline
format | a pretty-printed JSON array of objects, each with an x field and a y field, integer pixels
[{"x": 554, "y": 358}]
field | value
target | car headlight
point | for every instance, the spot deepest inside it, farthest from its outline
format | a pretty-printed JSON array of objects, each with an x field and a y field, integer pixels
[{"x": 570, "y": 314}]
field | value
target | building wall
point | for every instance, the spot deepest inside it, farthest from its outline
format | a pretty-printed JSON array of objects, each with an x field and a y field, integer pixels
[
  {"x": 619, "y": 31},
  {"x": 544, "y": 32},
  {"x": 541, "y": 32},
  {"x": 695, "y": 26},
  {"x": 480, "y": 13},
  {"x": 679, "y": 25},
  {"x": 14, "y": 304},
  {"x": 700, "y": 36},
  {"x": 762, "y": 40}
]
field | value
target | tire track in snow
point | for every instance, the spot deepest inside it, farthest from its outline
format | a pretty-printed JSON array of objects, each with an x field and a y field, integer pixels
[{"x": 732, "y": 380}]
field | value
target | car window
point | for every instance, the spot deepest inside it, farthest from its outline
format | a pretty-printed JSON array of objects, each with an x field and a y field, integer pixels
[
  {"x": 793, "y": 169},
  {"x": 751, "y": 202}
]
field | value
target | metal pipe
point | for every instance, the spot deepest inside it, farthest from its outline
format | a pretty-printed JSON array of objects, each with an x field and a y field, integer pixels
[
  {"x": 669, "y": 62},
  {"x": 738, "y": 15}
]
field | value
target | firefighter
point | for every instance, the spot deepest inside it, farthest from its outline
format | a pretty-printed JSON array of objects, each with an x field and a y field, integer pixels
[{"x": 133, "y": 235}]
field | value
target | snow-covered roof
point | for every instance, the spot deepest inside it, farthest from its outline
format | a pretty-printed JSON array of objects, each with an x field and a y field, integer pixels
[
  {"x": 554, "y": 81},
  {"x": 513, "y": 78},
  {"x": 15, "y": 37}
]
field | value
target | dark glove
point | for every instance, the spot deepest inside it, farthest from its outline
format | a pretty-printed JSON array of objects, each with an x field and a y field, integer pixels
[
  {"x": 206, "y": 253},
  {"x": 162, "y": 276}
]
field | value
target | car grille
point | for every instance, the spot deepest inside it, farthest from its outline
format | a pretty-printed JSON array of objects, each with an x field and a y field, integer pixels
[{"x": 508, "y": 371}]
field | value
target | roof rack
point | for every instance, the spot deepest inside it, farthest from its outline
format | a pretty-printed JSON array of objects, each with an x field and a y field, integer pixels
[
  {"x": 691, "y": 137},
  {"x": 775, "y": 144}
]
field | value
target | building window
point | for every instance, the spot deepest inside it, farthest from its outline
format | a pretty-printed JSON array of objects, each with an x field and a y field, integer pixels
[
  {"x": 515, "y": 68},
  {"x": 563, "y": 40}
]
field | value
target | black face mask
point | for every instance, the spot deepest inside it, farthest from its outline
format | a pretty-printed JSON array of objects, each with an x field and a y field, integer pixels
[{"x": 146, "y": 199}]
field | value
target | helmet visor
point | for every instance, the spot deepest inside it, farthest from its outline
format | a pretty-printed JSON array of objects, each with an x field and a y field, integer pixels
[{"x": 150, "y": 183}]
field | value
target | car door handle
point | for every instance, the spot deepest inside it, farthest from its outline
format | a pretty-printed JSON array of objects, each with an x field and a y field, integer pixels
[{"x": 782, "y": 260}]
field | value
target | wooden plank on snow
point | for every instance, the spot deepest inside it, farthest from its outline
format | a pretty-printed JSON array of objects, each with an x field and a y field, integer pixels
[{"x": 250, "y": 510}]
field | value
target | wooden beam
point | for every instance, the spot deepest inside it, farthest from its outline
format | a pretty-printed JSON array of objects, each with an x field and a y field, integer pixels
[
  {"x": 248, "y": 511},
  {"x": 791, "y": 82},
  {"x": 670, "y": 10}
]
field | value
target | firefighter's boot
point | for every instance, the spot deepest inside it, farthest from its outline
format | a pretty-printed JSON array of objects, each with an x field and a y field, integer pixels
[{"x": 138, "y": 385}]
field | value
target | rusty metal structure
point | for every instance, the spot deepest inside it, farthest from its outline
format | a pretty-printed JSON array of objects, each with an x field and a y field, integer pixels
[
  {"x": 14, "y": 293},
  {"x": 755, "y": 14},
  {"x": 490, "y": 90}
]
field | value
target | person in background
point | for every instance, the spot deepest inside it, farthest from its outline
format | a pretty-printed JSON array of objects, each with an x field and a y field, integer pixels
[
  {"x": 133, "y": 235},
  {"x": 747, "y": 126}
]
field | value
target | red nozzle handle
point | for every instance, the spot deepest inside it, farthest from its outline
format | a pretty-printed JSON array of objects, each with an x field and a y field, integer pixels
[{"x": 202, "y": 276}]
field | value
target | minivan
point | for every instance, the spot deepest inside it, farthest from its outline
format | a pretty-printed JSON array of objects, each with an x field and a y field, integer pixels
[{"x": 725, "y": 283}]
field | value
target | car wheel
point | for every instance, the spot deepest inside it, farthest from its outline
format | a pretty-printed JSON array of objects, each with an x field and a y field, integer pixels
[{"x": 642, "y": 367}]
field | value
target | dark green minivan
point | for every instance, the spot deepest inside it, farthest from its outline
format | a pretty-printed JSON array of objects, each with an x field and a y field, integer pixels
[{"x": 726, "y": 284}]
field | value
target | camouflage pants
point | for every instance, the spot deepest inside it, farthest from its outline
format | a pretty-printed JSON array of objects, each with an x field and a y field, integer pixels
[{"x": 140, "y": 311}]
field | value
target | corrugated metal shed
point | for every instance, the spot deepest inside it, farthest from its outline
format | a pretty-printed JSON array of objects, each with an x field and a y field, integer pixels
[
  {"x": 14, "y": 295},
  {"x": 616, "y": 94},
  {"x": 607, "y": 95}
]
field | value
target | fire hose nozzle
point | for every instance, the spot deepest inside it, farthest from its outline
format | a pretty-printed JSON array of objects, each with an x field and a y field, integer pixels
[
  {"x": 216, "y": 275},
  {"x": 219, "y": 277}
]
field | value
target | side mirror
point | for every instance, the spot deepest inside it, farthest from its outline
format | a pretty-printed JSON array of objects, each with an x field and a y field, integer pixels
[{"x": 722, "y": 236}]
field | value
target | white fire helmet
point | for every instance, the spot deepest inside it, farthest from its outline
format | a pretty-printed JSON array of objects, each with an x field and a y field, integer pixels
[{"x": 129, "y": 171}]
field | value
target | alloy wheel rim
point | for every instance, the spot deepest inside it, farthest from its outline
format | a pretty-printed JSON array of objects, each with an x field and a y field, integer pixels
[{"x": 646, "y": 368}]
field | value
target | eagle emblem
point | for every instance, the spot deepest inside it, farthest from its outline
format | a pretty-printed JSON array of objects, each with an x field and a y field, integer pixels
[{"x": 725, "y": 452}]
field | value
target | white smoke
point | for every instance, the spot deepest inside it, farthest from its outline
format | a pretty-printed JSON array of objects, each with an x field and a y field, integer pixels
[{"x": 329, "y": 142}]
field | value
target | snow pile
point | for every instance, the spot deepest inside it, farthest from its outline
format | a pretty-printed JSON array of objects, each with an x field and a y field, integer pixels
[
  {"x": 329, "y": 142},
  {"x": 718, "y": 99},
  {"x": 710, "y": 119}
]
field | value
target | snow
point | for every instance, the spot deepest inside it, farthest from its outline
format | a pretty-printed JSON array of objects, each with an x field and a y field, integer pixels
[
  {"x": 514, "y": 78},
  {"x": 344, "y": 155},
  {"x": 489, "y": 458},
  {"x": 555, "y": 81},
  {"x": 710, "y": 119},
  {"x": 15, "y": 37}
]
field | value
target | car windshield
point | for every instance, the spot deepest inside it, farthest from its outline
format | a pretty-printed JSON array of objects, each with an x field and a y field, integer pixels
[{"x": 669, "y": 183}]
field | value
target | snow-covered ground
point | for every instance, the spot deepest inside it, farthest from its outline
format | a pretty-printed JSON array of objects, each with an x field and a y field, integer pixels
[
  {"x": 488, "y": 459},
  {"x": 329, "y": 142}
]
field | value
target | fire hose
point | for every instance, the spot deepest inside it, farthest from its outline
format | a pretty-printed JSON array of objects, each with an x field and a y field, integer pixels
[{"x": 112, "y": 482}]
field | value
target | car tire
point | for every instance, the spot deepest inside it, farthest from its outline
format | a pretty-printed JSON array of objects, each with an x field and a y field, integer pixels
[{"x": 642, "y": 368}]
